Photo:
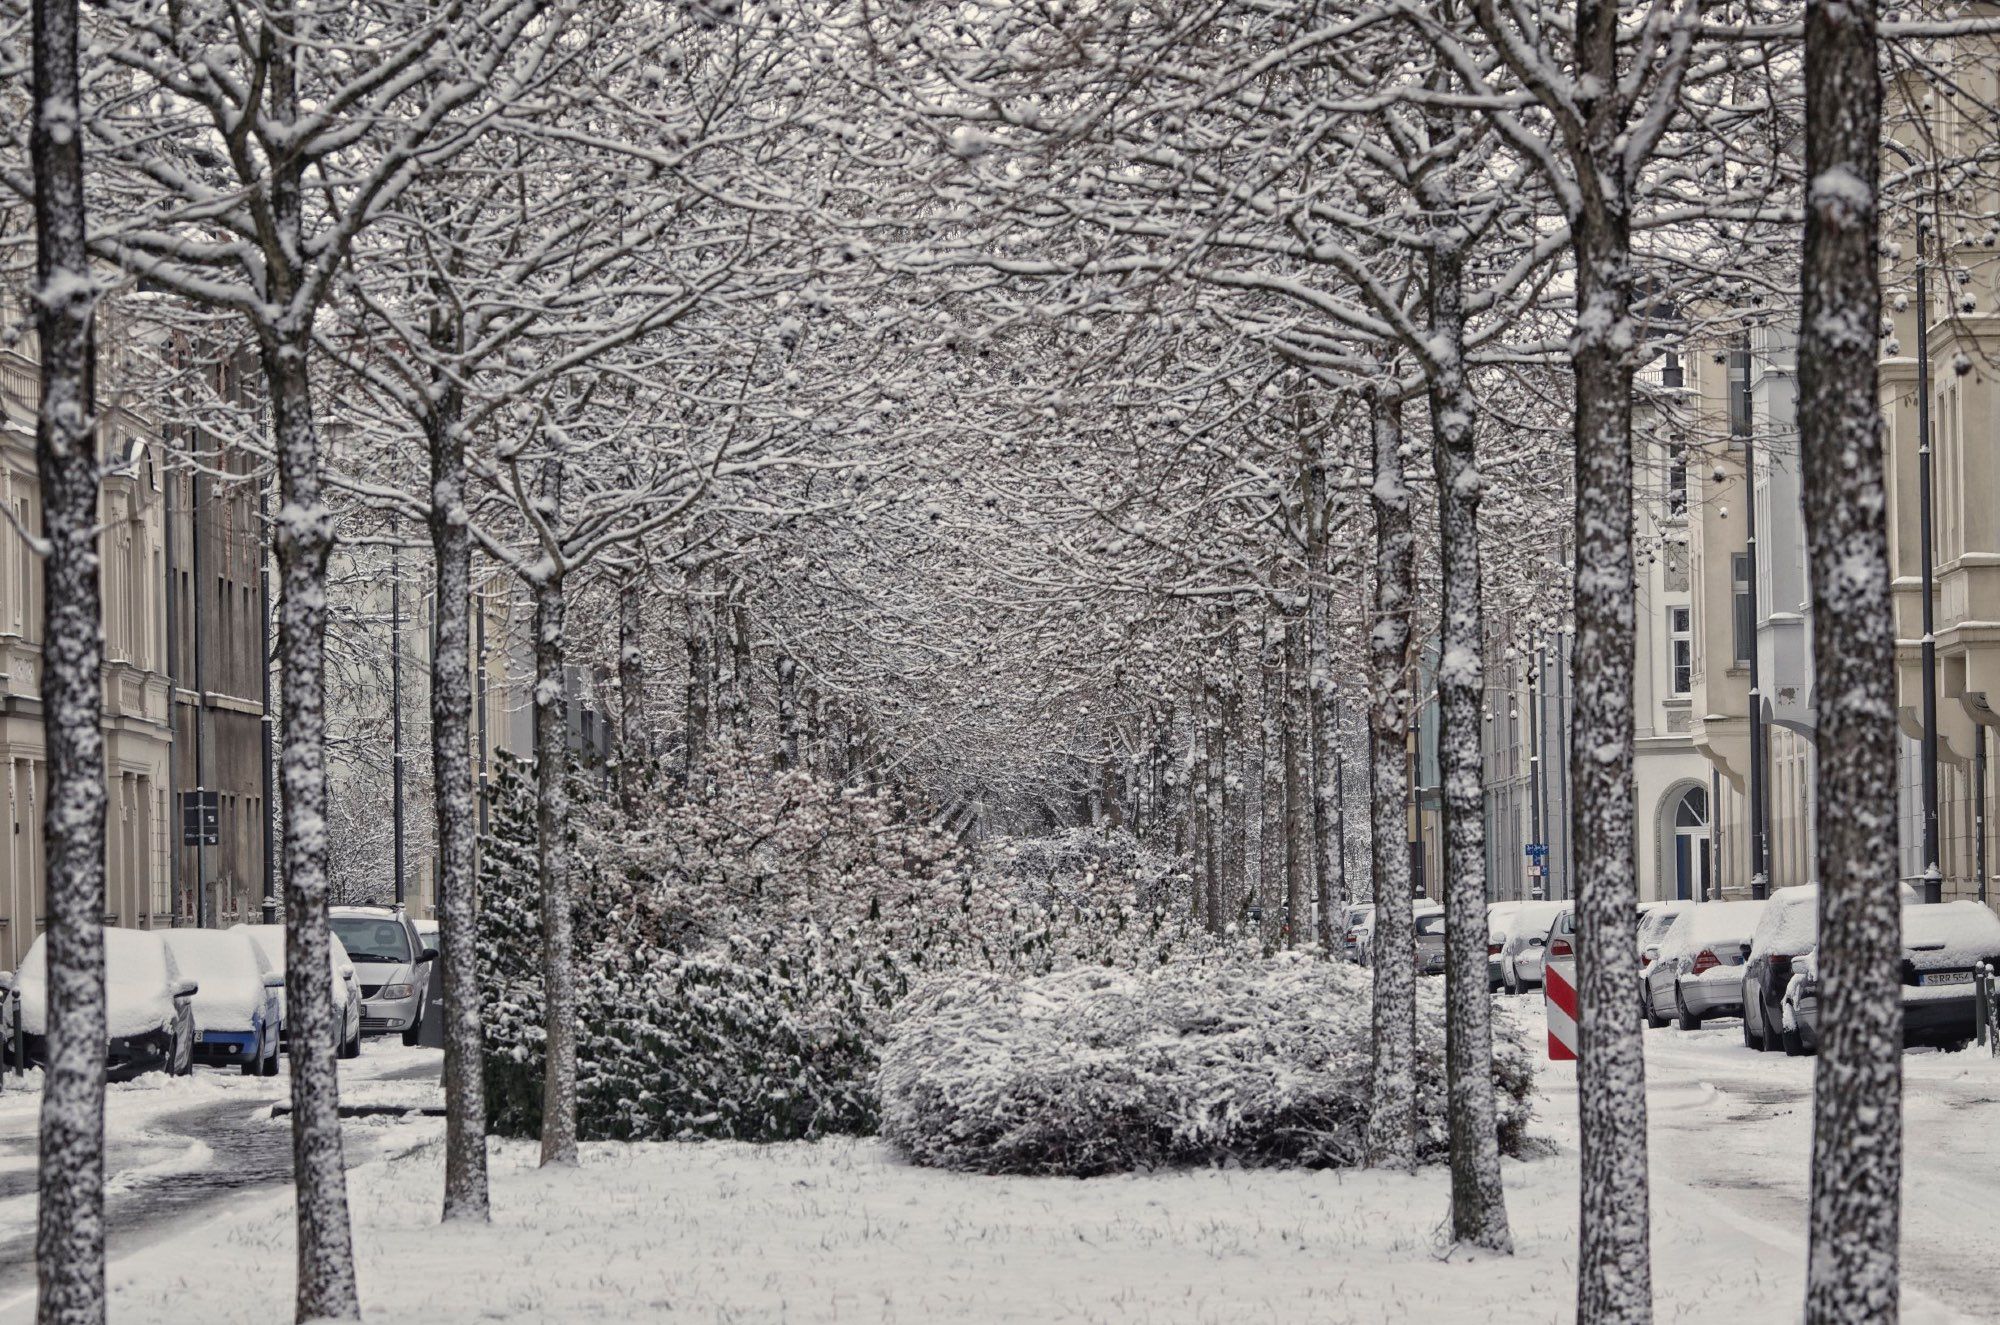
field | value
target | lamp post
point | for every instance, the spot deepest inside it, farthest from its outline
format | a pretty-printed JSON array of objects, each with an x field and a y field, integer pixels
[
  {"x": 1933, "y": 876},
  {"x": 396, "y": 710}
]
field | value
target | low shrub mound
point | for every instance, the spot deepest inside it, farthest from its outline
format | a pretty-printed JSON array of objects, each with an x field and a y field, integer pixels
[{"x": 1234, "y": 1061}]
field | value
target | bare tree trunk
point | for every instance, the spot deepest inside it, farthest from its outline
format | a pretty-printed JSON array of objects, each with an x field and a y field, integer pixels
[
  {"x": 1392, "y": 1108},
  {"x": 1852, "y": 1273},
  {"x": 694, "y": 740},
  {"x": 632, "y": 743},
  {"x": 69, "y": 1218},
  {"x": 326, "y": 1285},
  {"x": 1614, "y": 1275},
  {"x": 465, "y": 1186},
  {"x": 552, "y": 850},
  {"x": 1328, "y": 845},
  {"x": 788, "y": 712},
  {"x": 1478, "y": 1202},
  {"x": 1216, "y": 814},
  {"x": 1297, "y": 835}
]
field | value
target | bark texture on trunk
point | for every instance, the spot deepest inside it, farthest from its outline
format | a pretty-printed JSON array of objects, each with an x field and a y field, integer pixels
[
  {"x": 1478, "y": 1203},
  {"x": 633, "y": 754},
  {"x": 69, "y": 1217},
  {"x": 700, "y": 662},
  {"x": 326, "y": 1285},
  {"x": 1392, "y": 1105},
  {"x": 1614, "y": 1279},
  {"x": 465, "y": 1185},
  {"x": 1298, "y": 819},
  {"x": 552, "y": 852},
  {"x": 1855, "y": 1216}
]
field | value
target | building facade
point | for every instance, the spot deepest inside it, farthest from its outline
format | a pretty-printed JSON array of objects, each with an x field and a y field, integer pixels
[{"x": 156, "y": 526}]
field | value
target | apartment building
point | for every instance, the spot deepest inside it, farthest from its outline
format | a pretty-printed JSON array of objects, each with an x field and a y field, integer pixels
[
  {"x": 180, "y": 559},
  {"x": 1527, "y": 730}
]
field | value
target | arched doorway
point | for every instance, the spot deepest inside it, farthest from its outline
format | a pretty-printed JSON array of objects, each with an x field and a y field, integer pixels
[{"x": 1691, "y": 856}]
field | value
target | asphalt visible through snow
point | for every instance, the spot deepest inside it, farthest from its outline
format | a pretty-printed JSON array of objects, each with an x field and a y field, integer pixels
[
  {"x": 1736, "y": 1125},
  {"x": 179, "y": 1151}
]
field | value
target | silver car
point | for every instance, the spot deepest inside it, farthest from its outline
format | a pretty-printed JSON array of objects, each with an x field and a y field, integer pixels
[
  {"x": 1698, "y": 971},
  {"x": 394, "y": 966}
]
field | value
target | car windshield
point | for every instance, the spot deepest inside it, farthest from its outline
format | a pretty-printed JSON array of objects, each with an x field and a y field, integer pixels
[
  {"x": 372, "y": 939},
  {"x": 1430, "y": 926}
]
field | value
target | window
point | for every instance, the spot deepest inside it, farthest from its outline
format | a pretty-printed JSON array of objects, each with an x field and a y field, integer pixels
[
  {"x": 1680, "y": 650},
  {"x": 1739, "y": 393},
  {"x": 1746, "y": 611},
  {"x": 1677, "y": 478}
]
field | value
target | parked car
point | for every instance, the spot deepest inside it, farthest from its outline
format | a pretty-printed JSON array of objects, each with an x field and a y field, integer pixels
[
  {"x": 270, "y": 940},
  {"x": 1427, "y": 919},
  {"x": 1698, "y": 971},
  {"x": 1496, "y": 938},
  {"x": 236, "y": 1014},
  {"x": 148, "y": 1005},
  {"x": 1942, "y": 942},
  {"x": 1527, "y": 929},
  {"x": 1351, "y": 946},
  {"x": 394, "y": 967},
  {"x": 1430, "y": 940},
  {"x": 1788, "y": 929},
  {"x": 1653, "y": 923},
  {"x": 1559, "y": 946}
]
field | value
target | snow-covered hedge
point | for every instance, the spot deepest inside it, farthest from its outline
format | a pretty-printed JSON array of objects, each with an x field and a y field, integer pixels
[{"x": 1231, "y": 1060}]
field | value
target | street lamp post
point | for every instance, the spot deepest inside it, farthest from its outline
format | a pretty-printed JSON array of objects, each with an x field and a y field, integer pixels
[
  {"x": 1928, "y": 760},
  {"x": 396, "y": 710}
]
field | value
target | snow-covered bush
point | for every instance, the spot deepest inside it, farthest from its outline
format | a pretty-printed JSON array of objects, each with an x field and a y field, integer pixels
[
  {"x": 767, "y": 1033},
  {"x": 1235, "y": 1059}
]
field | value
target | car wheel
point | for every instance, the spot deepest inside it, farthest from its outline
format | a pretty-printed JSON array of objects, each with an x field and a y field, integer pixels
[
  {"x": 254, "y": 1066},
  {"x": 415, "y": 1033},
  {"x": 1688, "y": 1021},
  {"x": 1773, "y": 1023},
  {"x": 351, "y": 1047},
  {"x": 1795, "y": 1044},
  {"x": 270, "y": 1065},
  {"x": 1759, "y": 1039},
  {"x": 1510, "y": 982},
  {"x": 1653, "y": 1019}
]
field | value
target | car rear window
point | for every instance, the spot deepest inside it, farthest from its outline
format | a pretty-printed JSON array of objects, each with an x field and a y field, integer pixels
[{"x": 1950, "y": 933}]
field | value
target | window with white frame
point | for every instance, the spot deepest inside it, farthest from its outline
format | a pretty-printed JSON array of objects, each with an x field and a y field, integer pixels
[{"x": 1680, "y": 651}]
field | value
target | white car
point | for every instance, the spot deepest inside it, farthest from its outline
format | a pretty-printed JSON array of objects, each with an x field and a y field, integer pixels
[
  {"x": 1653, "y": 925},
  {"x": 1698, "y": 971},
  {"x": 1496, "y": 938},
  {"x": 237, "y": 1014},
  {"x": 270, "y": 940},
  {"x": 149, "y": 1004},
  {"x": 1526, "y": 928},
  {"x": 394, "y": 964}
]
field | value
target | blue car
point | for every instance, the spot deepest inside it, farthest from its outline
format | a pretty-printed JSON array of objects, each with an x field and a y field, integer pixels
[{"x": 237, "y": 1020}]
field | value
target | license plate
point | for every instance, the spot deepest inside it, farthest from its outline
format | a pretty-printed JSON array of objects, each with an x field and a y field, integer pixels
[{"x": 1945, "y": 978}]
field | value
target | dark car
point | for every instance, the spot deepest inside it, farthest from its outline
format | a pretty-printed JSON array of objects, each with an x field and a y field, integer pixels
[
  {"x": 149, "y": 1005},
  {"x": 1787, "y": 930},
  {"x": 1942, "y": 943}
]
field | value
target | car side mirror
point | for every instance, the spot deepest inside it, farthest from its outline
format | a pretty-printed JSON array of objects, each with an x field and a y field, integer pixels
[
  {"x": 1538, "y": 943},
  {"x": 274, "y": 979},
  {"x": 429, "y": 955},
  {"x": 1746, "y": 952},
  {"x": 186, "y": 989},
  {"x": 347, "y": 972},
  {"x": 1651, "y": 953}
]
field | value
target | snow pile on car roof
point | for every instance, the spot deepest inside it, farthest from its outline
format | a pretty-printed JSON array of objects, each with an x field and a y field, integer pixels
[{"x": 1950, "y": 934}]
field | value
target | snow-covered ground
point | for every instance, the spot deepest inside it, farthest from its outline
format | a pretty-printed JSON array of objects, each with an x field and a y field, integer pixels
[
  {"x": 182, "y": 1150},
  {"x": 841, "y": 1231}
]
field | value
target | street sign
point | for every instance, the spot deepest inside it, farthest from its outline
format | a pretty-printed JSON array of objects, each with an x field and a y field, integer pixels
[
  {"x": 201, "y": 818},
  {"x": 1536, "y": 851}
]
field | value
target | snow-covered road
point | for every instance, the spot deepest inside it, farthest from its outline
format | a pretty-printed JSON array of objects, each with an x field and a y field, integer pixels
[
  {"x": 1737, "y": 1125},
  {"x": 843, "y": 1231},
  {"x": 182, "y": 1150}
]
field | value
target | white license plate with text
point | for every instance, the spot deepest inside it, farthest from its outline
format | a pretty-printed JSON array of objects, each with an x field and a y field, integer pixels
[{"x": 1945, "y": 978}]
